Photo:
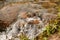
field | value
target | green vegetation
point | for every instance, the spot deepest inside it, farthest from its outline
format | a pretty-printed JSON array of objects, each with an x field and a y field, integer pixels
[
  {"x": 51, "y": 28},
  {"x": 23, "y": 37}
]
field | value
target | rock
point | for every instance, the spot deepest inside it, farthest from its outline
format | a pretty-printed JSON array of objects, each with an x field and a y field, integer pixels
[
  {"x": 3, "y": 26},
  {"x": 8, "y": 14}
]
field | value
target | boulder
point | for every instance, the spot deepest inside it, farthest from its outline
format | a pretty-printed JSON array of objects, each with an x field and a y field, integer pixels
[{"x": 8, "y": 14}]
